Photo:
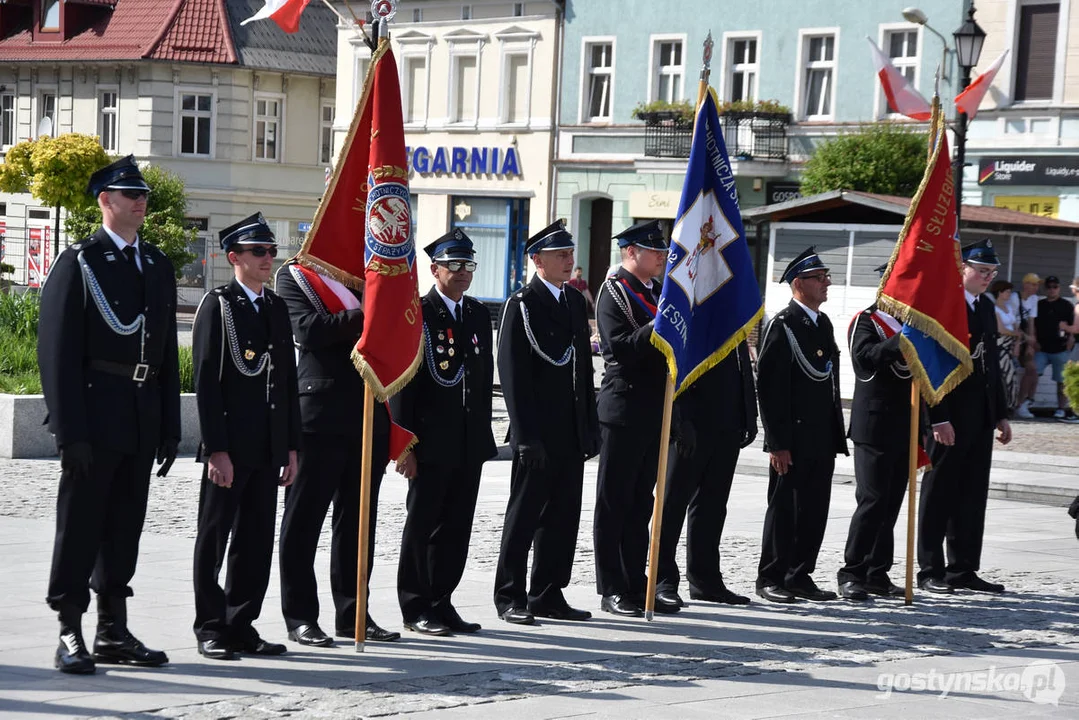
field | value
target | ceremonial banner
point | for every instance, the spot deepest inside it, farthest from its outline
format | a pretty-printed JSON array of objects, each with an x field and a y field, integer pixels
[
  {"x": 362, "y": 232},
  {"x": 923, "y": 287},
  {"x": 710, "y": 299}
]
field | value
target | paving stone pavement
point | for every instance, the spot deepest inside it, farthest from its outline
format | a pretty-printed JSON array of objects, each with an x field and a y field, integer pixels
[{"x": 830, "y": 659}]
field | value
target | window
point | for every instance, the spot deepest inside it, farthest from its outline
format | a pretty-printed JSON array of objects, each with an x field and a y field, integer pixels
[
  {"x": 268, "y": 114},
  {"x": 196, "y": 123},
  {"x": 902, "y": 49},
  {"x": 50, "y": 16},
  {"x": 743, "y": 69},
  {"x": 518, "y": 9},
  {"x": 1035, "y": 61},
  {"x": 498, "y": 228},
  {"x": 325, "y": 133},
  {"x": 7, "y": 119},
  {"x": 466, "y": 12},
  {"x": 46, "y": 110},
  {"x": 818, "y": 84},
  {"x": 667, "y": 70},
  {"x": 516, "y": 105},
  {"x": 107, "y": 129},
  {"x": 362, "y": 63},
  {"x": 417, "y": 15},
  {"x": 463, "y": 93},
  {"x": 414, "y": 92},
  {"x": 599, "y": 64}
]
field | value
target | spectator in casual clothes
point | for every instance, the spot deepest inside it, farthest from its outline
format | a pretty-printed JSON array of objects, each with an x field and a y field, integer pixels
[
  {"x": 578, "y": 282},
  {"x": 1073, "y": 327},
  {"x": 1054, "y": 341},
  {"x": 1025, "y": 304},
  {"x": 1010, "y": 335}
]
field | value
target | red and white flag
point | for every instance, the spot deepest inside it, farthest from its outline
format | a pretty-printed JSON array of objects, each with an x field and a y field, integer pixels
[
  {"x": 969, "y": 100},
  {"x": 902, "y": 98},
  {"x": 286, "y": 13}
]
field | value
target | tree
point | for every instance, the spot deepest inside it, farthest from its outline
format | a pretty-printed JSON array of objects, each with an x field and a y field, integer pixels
[
  {"x": 55, "y": 171},
  {"x": 882, "y": 157},
  {"x": 164, "y": 223}
]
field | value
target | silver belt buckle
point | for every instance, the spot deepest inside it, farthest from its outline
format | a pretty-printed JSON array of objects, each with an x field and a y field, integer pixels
[{"x": 142, "y": 370}]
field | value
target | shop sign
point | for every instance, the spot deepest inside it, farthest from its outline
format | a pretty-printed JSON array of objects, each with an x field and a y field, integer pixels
[
  {"x": 657, "y": 204},
  {"x": 1045, "y": 206},
  {"x": 778, "y": 192},
  {"x": 464, "y": 161},
  {"x": 1029, "y": 170}
]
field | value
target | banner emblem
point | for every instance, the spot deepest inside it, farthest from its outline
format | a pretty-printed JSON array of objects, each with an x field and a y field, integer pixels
[{"x": 389, "y": 222}]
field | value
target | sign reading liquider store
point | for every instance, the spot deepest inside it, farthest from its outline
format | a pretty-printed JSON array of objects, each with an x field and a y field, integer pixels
[
  {"x": 1029, "y": 170},
  {"x": 658, "y": 204}
]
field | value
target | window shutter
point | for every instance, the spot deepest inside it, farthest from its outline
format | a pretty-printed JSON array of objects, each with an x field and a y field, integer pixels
[{"x": 1036, "y": 59}]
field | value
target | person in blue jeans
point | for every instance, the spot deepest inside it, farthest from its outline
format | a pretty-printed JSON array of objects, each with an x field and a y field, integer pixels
[{"x": 1054, "y": 342}]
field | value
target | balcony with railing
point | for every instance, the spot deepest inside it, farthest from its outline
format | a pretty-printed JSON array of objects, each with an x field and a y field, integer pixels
[{"x": 749, "y": 134}]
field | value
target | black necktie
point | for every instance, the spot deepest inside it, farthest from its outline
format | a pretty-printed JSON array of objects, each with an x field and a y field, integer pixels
[
  {"x": 563, "y": 301},
  {"x": 260, "y": 304},
  {"x": 264, "y": 312},
  {"x": 457, "y": 314},
  {"x": 129, "y": 253}
]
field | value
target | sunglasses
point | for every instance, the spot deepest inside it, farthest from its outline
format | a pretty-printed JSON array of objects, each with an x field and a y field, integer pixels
[
  {"x": 820, "y": 277},
  {"x": 986, "y": 273},
  {"x": 132, "y": 194},
  {"x": 458, "y": 265},
  {"x": 259, "y": 251}
]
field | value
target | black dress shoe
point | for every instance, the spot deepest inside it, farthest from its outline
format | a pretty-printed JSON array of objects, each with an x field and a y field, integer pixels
[
  {"x": 311, "y": 635},
  {"x": 427, "y": 625},
  {"x": 666, "y": 604},
  {"x": 216, "y": 650},
  {"x": 936, "y": 585},
  {"x": 453, "y": 620},
  {"x": 255, "y": 645},
  {"x": 565, "y": 612},
  {"x": 776, "y": 594},
  {"x": 719, "y": 595},
  {"x": 977, "y": 584},
  {"x": 808, "y": 590},
  {"x": 620, "y": 605},
  {"x": 517, "y": 616},
  {"x": 374, "y": 633},
  {"x": 853, "y": 591},
  {"x": 888, "y": 590},
  {"x": 669, "y": 597},
  {"x": 72, "y": 656},
  {"x": 116, "y": 645}
]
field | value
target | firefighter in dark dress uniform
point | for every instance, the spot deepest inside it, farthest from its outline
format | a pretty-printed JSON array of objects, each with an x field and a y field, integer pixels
[
  {"x": 545, "y": 366},
  {"x": 328, "y": 469},
  {"x": 955, "y": 491},
  {"x": 630, "y": 414},
  {"x": 717, "y": 416},
  {"x": 798, "y": 387},
  {"x": 110, "y": 374},
  {"x": 249, "y": 418},
  {"x": 447, "y": 406},
  {"x": 880, "y": 431}
]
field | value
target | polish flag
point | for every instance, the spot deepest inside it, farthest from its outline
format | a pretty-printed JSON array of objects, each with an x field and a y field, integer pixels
[
  {"x": 902, "y": 98},
  {"x": 286, "y": 13},
  {"x": 969, "y": 100}
]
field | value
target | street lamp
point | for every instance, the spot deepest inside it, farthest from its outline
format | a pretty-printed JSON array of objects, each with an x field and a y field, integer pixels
[
  {"x": 969, "y": 39},
  {"x": 916, "y": 16}
]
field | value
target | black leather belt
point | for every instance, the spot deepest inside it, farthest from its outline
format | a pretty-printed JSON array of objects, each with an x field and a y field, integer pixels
[{"x": 140, "y": 372}]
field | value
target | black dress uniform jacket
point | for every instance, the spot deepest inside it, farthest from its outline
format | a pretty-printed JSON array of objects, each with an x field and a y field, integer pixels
[
  {"x": 233, "y": 405},
  {"x": 86, "y": 403},
  {"x": 880, "y": 411},
  {"x": 452, "y": 422},
  {"x": 90, "y": 347}
]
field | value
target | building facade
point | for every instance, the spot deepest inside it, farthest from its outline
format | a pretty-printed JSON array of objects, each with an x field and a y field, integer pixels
[
  {"x": 615, "y": 166},
  {"x": 243, "y": 114},
  {"x": 478, "y": 86}
]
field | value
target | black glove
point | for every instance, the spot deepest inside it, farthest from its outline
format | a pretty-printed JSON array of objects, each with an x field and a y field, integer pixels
[
  {"x": 1074, "y": 512},
  {"x": 686, "y": 444},
  {"x": 593, "y": 447},
  {"x": 166, "y": 456},
  {"x": 532, "y": 457},
  {"x": 748, "y": 437},
  {"x": 76, "y": 458}
]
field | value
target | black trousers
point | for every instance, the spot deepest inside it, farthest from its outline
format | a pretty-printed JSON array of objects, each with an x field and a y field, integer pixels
[
  {"x": 434, "y": 543},
  {"x": 880, "y": 476},
  {"x": 627, "y": 476},
  {"x": 952, "y": 506},
  {"x": 794, "y": 521},
  {"x": 328, "y": 471},
  {"x": 544, "y": 514},
  {"x": 98, "y": 524},
  {"x": 247, "y": 511},
  {"x": 701, "y": 484}
]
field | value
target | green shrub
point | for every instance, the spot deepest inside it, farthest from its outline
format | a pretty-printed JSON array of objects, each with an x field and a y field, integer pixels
[
  {"x": 187, "y": 370},
  {"x": 1071, "y": 384},
  {"x": 19, "y": 313},
  {"x": 884, "y": 157}
]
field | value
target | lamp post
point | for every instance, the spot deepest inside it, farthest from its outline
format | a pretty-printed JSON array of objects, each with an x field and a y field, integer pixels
[
  {"x": 915, "y": 15},
  {"x": 969, "y": 38}
]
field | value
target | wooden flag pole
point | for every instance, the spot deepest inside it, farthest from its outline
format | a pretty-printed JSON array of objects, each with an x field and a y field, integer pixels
[
  {"x": 912, "y": 488},
  {"x": 657, "y": 506},
  {"x": 365, "y": 516}
]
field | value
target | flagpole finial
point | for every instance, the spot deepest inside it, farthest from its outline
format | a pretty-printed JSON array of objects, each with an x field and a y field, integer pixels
[
  {"x": 383, "y": 11},
  {"x": 706, "y": 57}
]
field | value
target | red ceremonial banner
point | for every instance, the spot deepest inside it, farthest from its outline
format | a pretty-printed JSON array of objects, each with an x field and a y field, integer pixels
[{"x": 362, "y": 232}]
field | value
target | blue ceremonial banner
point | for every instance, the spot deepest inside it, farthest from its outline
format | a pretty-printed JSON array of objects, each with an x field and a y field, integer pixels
[{"x": 710, "y": 298}]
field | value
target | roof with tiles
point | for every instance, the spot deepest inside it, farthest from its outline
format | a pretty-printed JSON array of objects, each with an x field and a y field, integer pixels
[
  {"x": 197, "y": 32},
  {"x": 127, "y": 31},
  {"x": 312, "y": 49}
]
